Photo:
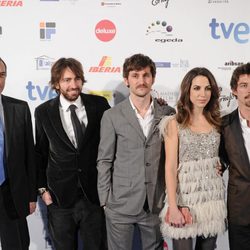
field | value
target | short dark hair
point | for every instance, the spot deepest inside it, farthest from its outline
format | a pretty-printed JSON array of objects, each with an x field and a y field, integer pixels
[
  {"x": 60, "y": 66},
  {"x": 138, "y": 62},
  {"x": 1, "y": 60},
  {"x": 240, "y": 70}
]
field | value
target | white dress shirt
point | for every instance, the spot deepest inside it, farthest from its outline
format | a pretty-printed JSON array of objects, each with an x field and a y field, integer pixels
[
  {"x": 147, "y": 121},
  {"x": 245, "y": 133},
  {"x": 65, "y": 116}
]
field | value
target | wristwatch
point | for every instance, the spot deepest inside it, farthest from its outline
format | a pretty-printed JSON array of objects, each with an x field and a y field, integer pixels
[{"x": 41, "y": 191}]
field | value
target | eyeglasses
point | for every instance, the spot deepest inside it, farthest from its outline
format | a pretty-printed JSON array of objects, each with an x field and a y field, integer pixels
[{"x": 3, "y": 74}]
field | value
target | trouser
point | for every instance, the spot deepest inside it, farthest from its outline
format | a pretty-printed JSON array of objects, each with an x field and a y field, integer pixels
[
  {"x": 83, "y": 216},
  {"x": 14, "y": 233},
  {"x": 239, "y": 237},
  {"x": 120, "y": 230}
]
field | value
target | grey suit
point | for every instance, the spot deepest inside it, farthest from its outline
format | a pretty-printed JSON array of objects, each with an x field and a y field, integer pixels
[{"x": 131, "y": 169}]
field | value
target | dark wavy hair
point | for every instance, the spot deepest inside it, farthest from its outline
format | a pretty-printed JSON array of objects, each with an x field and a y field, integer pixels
[
  {"x": 59, "y": 67},
  {"x": 240, "y": 70},
  {"x": 185, "y": 106},
  {"x": 138, "y": 62}
]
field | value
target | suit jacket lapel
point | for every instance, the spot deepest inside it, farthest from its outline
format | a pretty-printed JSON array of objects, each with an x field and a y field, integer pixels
[
  {"x": 54, "y": 115},
  {"x": 158, "y": 113},
  {"x": 130, "y": 115},
  {"x": 9, "y": 120},
  {"x": 90, "y": 108},
  {"x": 236, "y": 128}
]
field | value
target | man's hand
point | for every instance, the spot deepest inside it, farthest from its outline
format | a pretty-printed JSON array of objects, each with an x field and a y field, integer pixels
[
  {"x": 47, "y": 198},
  {"x": 161, "y": 101},
  {"x": 32, "y": 207}
]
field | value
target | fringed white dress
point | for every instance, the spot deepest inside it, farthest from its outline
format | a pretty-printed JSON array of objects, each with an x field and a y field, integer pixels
[{"x": 198, "y": 185}]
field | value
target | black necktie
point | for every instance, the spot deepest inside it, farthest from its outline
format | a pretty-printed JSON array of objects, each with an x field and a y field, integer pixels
[{"x": 79, "y": 128}]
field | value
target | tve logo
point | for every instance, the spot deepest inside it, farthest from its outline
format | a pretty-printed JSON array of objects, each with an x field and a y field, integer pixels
[
  {"x": 38, "y": 92},
  {"x": 240, "y": 31}
]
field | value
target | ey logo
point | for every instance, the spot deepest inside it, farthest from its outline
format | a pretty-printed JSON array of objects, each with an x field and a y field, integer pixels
[{"x": 47, "y": 29}]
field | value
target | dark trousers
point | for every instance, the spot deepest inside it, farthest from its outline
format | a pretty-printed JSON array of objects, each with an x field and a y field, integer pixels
[
  {"x": 83, "y": 216},
  {"x": 201, "y": 243},
  {"x": 239, "y": 237},
  {"x": 14, "y": 232}
]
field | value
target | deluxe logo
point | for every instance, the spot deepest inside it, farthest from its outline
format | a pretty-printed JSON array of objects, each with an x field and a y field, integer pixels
[
  {"x": 105, "y": 66},
  {"x": 239, "y": 31},
  {"x": 11, "y": 3},
  {"x": 105, "y": 30},
  {"x": 44, "y": 62},
  {"x": 156, "y": 2},
  {"x": 47, "y": 29},
  {"x": 39, "y": 92}
]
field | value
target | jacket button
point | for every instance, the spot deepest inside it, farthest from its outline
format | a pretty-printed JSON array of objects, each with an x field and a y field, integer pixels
[
  {"x": 148, "y": 164},
  {"x": 79, "y": 170}
]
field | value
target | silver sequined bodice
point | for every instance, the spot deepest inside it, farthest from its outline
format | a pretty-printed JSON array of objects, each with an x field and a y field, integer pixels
[{"x": 197, "y": 146}]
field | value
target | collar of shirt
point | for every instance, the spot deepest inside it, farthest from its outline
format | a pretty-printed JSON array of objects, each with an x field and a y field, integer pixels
[
  {"x": 150, "y": 110},
  {"x": 65, "y": 103},
  {"x": 243, "y": 121}
]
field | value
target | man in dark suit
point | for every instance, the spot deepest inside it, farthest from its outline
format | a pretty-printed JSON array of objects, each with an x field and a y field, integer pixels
[
  {"x": 66, "y": 156},
  {"x": 235, "y": 150},
  {"x": 17, "y": 170}
]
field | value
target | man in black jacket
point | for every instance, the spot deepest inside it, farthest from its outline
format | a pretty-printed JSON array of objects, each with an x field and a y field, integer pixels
[{"x": 67, "y": 138}]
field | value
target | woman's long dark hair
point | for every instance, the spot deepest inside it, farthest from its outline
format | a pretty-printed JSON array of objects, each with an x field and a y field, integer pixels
[{"x": 185, "y": 106}]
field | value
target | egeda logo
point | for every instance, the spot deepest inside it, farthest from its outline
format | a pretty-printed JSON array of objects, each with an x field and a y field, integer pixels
[
  {"x": 239, "y": 31},
  {"x": 37, "y": 92}
]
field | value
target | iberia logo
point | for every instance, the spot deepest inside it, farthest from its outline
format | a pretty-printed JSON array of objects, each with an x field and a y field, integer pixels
[
  {"x": 105, "y": 30},
  {"x": 11, "y": 3},
  {"x": 105, "y": 66}
]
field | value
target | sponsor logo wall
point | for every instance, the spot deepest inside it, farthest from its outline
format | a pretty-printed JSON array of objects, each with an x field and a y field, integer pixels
[{"x": 178, "y": 35}]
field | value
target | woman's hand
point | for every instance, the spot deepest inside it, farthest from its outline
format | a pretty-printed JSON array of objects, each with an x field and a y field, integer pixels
[{"x": 176, "y": 218}]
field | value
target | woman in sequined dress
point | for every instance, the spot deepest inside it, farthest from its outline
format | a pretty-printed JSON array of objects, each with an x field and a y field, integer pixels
[{"x": 192, "y": 140}]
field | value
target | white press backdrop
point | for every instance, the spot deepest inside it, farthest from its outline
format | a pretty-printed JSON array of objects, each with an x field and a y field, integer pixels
[{"x": 178, "y": 35}]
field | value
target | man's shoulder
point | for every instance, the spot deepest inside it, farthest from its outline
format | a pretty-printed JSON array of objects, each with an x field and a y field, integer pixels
[
  {"x": 229, "y": 118},
  {"x": 95, "y": 98},
  {"x": 14, "y": 101},
  {"x": 45, "y": 105}
]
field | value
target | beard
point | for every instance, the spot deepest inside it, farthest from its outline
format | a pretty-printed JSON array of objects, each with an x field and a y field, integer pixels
[{"x": 71, "y": 95}]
